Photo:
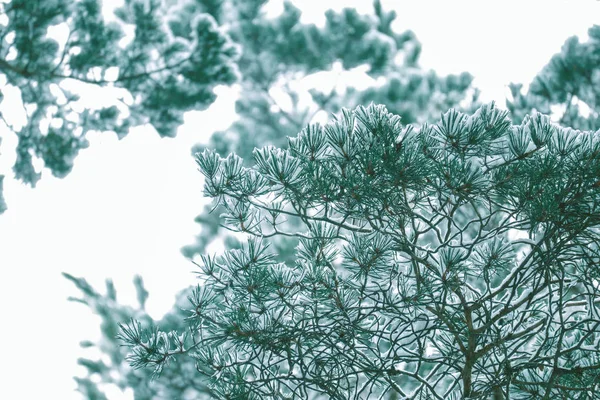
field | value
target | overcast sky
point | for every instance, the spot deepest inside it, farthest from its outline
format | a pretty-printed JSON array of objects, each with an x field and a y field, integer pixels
[{"x": 128, "y": 206}]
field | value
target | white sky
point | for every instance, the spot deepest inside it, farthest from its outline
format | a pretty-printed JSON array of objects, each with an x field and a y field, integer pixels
[{"x": 129, "y": 206}]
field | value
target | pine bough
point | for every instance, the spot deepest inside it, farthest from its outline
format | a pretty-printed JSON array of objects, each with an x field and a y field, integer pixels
[{"x": 457, "y": 260}]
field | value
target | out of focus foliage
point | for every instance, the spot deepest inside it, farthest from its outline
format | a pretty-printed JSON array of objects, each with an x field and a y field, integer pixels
[
  {"x": 569, "y": 85},
  {"x": 112, "y": 367},
  {"x": 158, "y": 72}
]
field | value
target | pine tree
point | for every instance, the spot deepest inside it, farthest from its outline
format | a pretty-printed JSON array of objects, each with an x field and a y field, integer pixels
[
  {"x": 165, "y": 67},
  {"x": 266, "y": 63},
  {"x": 454, "y": 260},
  {"x": 170, "y": 383}
]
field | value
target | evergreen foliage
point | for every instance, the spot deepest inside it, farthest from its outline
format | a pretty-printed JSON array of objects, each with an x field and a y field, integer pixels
[
  {"x": 282, "y": 50},
  {"x": 455, "y": 260},
  {"x": 163, "y": 72},
  {"x": 417, "y": 96},
  {"x": 266, "y": 63},
  {"x": 178, "y": 382},
  {"x": 570, "y": 82}
]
